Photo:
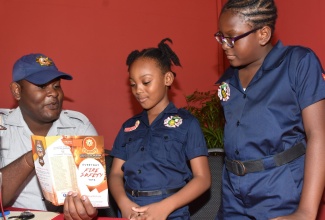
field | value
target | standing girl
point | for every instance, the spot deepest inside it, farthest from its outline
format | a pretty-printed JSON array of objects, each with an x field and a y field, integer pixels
[
  {"x": 150, "y": 177},
  {"x": 273, "y": 100}
]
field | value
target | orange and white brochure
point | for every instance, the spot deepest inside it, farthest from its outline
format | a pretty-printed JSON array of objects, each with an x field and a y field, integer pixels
[{"x": 71, "y": 163}]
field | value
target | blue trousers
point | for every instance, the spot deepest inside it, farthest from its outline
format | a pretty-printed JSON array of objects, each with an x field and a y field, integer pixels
[{"x": 262, "y": 195}]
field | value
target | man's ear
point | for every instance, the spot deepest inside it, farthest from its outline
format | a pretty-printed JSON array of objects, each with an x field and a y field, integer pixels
[
  {"x": 169, "y": 78},
  {"x": 265, "y": 34},
  {"x": 15, "y": 90}
]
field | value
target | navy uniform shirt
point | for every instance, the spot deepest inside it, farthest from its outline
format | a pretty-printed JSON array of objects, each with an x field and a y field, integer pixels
[
  {"x": 266, "y": 118},
  {"x": 156, "y": 155}
]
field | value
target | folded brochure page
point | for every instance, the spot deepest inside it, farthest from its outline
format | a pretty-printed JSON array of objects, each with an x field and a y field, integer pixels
[{"x": 71, "y": 163}]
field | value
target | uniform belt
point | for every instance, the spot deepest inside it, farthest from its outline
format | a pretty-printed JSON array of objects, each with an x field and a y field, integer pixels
[
  {"x": 139, "y": 193},
  {"x": 240, "y": 168}
]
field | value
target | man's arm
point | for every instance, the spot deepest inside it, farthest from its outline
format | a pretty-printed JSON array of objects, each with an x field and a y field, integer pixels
[{"x": 13, "y": 176}]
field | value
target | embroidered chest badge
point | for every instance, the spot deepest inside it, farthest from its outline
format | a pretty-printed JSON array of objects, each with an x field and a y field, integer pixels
[
  {"x": 173, "y": 121},
  {"x": 137, "y": 123},
  {"x": 224, "y": 91}
]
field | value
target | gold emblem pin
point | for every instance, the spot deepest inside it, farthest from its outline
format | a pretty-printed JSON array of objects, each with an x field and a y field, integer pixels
[{"x": 44, "y": 61}]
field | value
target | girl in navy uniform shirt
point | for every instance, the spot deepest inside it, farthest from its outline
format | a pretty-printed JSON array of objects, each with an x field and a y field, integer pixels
[
  {"x": 150, "y": 177},
  {"x": 273, "y": 100}
]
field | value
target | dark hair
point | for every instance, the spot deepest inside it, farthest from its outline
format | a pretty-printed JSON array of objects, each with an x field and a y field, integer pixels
[
  {"x": 163, "y": 55},
  {"x": 257, "y": 12}
]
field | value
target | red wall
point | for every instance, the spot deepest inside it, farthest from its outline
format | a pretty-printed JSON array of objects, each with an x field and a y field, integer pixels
[
  {"x": 302, "y": 22},
  {"x": 91, "y": 39}
]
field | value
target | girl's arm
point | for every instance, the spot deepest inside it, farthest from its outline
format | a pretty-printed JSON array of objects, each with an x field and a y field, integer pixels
[
  {"x": 198, "y": 185},
  {"x": 116, "y": 187},
  {"x": 314, "y": 174}
]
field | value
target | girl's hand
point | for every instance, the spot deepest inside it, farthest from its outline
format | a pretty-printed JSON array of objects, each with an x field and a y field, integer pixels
[
  {"x": 153, "y": 211},
  {"x": 127, "y": 211}
]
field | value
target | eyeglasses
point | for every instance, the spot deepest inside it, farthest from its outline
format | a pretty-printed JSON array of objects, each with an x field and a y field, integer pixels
[{"x": 230, "y": 41}]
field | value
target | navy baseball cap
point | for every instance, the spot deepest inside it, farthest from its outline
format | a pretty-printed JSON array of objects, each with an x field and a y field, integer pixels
[{"x": 37, "y": 69}]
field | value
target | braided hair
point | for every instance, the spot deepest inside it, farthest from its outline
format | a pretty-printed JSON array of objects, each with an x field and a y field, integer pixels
[
  {"x": 257, "y": 12},
  {"x": 163, "y": 55}
]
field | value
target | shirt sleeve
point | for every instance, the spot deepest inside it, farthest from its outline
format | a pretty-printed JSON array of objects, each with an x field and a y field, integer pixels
[
  {"x": 310, "y": 79},
  {"x": 196, "y": 145},
  {"x": 118, "y": 149}
]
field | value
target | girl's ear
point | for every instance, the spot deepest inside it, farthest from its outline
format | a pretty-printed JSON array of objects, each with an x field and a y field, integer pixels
[
  {"x": 265, "y": 34},
  {"x": 15, "y": 90},
  {"x": 169, "y": 78}
]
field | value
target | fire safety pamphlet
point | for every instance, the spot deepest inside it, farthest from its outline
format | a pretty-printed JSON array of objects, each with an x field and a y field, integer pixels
[{"x": 71, "y": 163}]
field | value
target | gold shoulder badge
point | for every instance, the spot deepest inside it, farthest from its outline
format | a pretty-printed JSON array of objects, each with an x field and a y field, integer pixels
[
  {"x": 173, "y": 121},
  {"x": 224, "y": 91},
  {"x": 44, "y": 61}
]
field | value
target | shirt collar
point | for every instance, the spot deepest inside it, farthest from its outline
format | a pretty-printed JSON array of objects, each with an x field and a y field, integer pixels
[
  {"x": 15, "y": 118},
  {"x": 273, "y": 59},
  {"x": 170, "y": 109}
]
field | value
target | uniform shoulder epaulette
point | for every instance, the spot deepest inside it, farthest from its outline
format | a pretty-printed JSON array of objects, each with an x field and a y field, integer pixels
[
  {"x": 5, "y": 111},
  {"x": 183, "y": 112},
  {"x": 76, "y": 115}
]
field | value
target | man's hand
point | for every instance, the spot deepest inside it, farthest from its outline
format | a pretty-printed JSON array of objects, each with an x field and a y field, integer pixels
[{"x": 78, "y": 207}]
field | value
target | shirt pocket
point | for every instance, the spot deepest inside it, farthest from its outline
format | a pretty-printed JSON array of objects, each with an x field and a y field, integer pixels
[
  {"x": 133, "y": 142},
  {"x": 227, "y": 109},
  {"x": 170, "y": 147}
]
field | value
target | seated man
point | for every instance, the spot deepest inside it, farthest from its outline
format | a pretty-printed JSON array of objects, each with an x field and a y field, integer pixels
[{"x": 36, "y": 87}]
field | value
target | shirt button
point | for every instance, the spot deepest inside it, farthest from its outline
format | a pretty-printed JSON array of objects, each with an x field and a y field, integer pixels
[
  {"x": 237, "y": 152},
  {"x": 142, "y": 148},
  {"x": 238, "y": 123},
  {"x": 139, "y": 171},
  {"x": 244, "y": 96}
]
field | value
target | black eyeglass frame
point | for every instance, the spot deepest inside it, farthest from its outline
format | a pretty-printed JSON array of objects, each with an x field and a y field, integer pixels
[{"x": 233, "y": 39}]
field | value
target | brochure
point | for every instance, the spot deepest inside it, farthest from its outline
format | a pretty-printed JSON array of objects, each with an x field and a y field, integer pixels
[{"x": 71, "y": 163}]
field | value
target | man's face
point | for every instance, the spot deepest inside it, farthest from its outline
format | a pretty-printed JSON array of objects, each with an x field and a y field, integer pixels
[{"x": 40, "y": 103}]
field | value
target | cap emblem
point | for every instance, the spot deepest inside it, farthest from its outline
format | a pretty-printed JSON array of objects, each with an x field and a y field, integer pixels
[{"x": 44, "y": 61}]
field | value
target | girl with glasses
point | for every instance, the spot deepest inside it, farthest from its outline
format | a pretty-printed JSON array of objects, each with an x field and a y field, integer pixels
[{"x": 273, "y": 100}]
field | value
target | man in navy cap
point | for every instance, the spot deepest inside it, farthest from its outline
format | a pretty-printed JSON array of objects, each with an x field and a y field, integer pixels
[{"x": 36, "y": 87}]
